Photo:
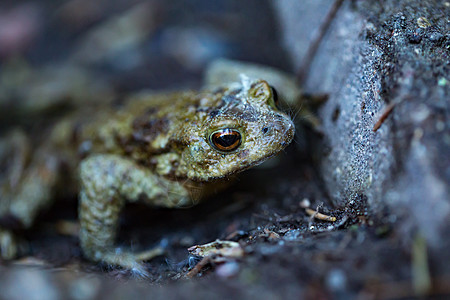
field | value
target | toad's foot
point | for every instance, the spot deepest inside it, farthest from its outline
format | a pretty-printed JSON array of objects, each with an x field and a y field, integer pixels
[
  {"x": 107, "y": 181},
  {"x": 27, "y": 185},
  {"x": 129, "y": 261},
  {"x": 8, "y": 244},
  {"x": 126, "y": 260}
]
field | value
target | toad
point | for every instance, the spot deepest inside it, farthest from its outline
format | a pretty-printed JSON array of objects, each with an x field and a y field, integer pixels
[{"x": 168, "y": 150}]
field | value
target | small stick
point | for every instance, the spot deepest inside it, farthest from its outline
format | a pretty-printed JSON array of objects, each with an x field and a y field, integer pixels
[
  {"x": 383, "y": 116},
  {"x": 319, "y": 216},
  {"x": 332, "y": 227}
]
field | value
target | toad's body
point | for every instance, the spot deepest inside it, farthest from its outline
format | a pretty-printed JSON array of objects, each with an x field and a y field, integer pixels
[{"x": 166, "y": 150}]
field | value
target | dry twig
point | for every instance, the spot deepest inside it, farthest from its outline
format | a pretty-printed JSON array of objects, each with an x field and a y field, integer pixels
[
  {"x": 315, "y": 214},
  {"x": 383, "y": 116}
]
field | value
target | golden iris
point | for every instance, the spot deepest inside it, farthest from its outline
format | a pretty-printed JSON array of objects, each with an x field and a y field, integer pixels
[{"x": 225, "y": 139}]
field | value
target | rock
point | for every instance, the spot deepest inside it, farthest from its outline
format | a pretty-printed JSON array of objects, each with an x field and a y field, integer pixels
[{"x": 377, "y": 57}]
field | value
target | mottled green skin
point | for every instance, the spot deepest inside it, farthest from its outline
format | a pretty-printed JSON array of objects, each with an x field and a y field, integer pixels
[
  {"x": 169, "y": 133},
  {"x": 155, "y": 148}
]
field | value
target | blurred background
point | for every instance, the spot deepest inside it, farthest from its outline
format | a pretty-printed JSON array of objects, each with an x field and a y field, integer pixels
[
  {"x": 61, "y": 54},
  {"x": 138, "y": 44}
]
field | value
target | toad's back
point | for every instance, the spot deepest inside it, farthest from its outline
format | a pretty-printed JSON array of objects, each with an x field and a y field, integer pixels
[{"x": 180, "y": 134}]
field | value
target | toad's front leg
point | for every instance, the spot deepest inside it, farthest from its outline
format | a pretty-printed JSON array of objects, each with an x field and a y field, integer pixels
[{"x": 107, "y": 182}]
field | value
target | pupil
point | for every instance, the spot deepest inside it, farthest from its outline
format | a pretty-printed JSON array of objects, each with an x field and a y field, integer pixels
[{"x": 227, "y": 139}]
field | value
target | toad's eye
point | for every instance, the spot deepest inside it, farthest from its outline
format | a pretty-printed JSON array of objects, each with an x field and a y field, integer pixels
[
  {"x": 274, "y": 95},
  {"x": 225, "y": 139}
]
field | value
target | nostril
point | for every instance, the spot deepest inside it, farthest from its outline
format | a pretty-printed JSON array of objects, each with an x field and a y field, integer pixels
[{"x": 265, "y": 129}]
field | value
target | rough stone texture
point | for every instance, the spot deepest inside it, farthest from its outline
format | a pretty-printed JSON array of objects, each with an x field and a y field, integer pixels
[
  {"x": 356, "y": 161},
  {"x": 414, "y": 71},
  {"x": 376, "y": 54}
]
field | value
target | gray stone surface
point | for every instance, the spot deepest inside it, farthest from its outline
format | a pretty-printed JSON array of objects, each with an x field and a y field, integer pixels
[
  {"x": 375, "y": 55},
  {"x": 299, "y": 23}
]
